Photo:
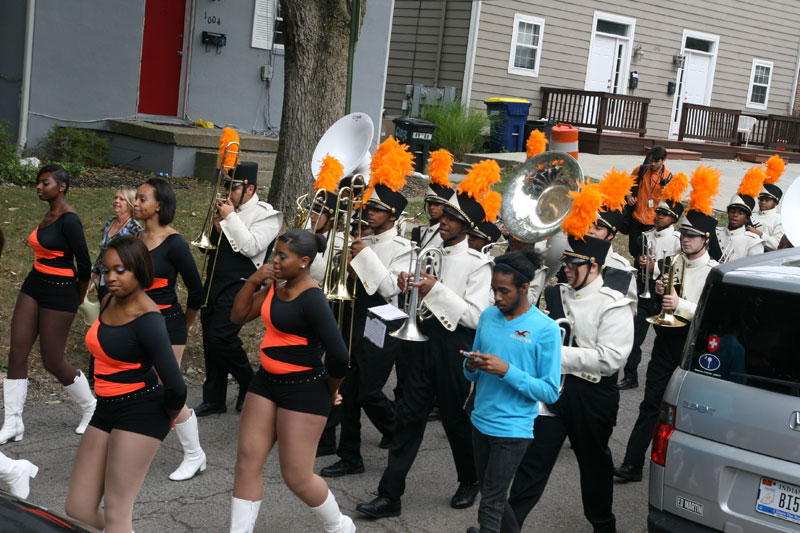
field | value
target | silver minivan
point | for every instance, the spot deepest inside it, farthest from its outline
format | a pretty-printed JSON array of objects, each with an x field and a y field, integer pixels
[{"x": 726, "y": 449}]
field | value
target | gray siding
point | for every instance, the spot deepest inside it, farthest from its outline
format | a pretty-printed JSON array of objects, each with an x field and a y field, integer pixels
[
  {"x": 415, "y": 43},
  {"x": 762, "y": 29},
  {"x": 12, "y": 44}
]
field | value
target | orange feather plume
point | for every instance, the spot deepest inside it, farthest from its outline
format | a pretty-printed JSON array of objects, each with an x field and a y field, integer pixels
[
  {"x": 615, "y": 186},
  {"x": 675, "y": 189},
  {"x": 775, "y": 167},
  {"x": 751, "y": 182},
  {"x": 368, "y": 193},
  {"x": 394, "y": 167},
  {"x": 440, "y": 166},
  {"x": 329, "y": 175},
  {"x": 380, "y": 152},
  {"x": 480, "y": 178},
  {"x": 536, "y": 144},
  {"x": 705, "y": 186},
  {"x": 491, "y": 205},
  {"x": 229, "y": 135},
  {"x": 585, "y": 205}
]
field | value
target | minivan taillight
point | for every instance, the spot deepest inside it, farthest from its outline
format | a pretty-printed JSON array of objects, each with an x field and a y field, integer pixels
[{"x": 664, "y": 428}]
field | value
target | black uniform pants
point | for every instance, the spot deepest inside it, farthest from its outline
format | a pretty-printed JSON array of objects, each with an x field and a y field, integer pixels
[
  {"x": 586, "y": 413},
  {"x": 222, "y": 347},
  {"x": 634, "y": 240},
  {"x": 362, "y": 388},
  {"x": 431, "y": 367},
  {"x": 644, "y": 309},
  {"x": 667, "y": 351}
]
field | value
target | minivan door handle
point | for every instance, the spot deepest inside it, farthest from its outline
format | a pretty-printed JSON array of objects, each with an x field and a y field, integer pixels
[{"x": 795, "y": 422}]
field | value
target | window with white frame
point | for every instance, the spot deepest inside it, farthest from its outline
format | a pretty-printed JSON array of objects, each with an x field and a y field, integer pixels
[
  {"x": 526, "y": 45},
  {"x": 760, "y": 80},
  {"x": 267, "y": 25}
]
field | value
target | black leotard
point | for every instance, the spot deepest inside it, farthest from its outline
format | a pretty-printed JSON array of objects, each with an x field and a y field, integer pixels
[
  {"x": 170, "y": 258},
  {"x": 56, "y": 245}
]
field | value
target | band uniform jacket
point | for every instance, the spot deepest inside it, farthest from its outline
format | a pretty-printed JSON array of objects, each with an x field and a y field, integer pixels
[
  {"x": 252, "y": 228},
  {"x": 318, "y": 266},
  {"x": 425, "y": 236},
  {"x": 602, "y": 322},
  {"x": 769, "y": 223},
  {"x": 460, "y": 294},
  {"x": 380, "y": 262},
  {"x": 693, "y": 281},
  {"x": 667, "y": 243},
  {"x": 739, "y": 243},
  {"x": 616, "y": 280}
]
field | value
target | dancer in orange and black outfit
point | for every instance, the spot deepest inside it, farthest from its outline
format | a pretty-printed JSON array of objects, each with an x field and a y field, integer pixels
[
  {"x": 135, "y": 412},
  {"x": 291, "y": 394},
  {"x": 47, "y": 303},
  {"x": 155, "y": 206}
]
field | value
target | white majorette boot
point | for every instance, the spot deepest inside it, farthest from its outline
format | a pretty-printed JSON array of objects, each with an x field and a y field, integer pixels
[
  {"x": 194, "y": 458},
  {"x": 332, "y": 518},
  {"x": 18, "y": 475},
  {"x": 82, "y": 395},
  {"x": 243, "y": 515},
  {"x": 14, "y": 393}
]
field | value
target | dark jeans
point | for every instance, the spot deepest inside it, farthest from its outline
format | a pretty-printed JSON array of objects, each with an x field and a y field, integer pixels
[
  {"x": 496, "y": 459},
  {"x": 644, "y": 309}
]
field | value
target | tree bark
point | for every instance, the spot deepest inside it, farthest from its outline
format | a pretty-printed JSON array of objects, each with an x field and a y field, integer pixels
[{"x": 315, "y": 85}]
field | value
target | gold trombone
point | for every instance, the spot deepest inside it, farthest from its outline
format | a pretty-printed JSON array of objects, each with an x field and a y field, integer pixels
[
  {"x": 222, "y": 190},
  {"x": 675, "y": 274}
]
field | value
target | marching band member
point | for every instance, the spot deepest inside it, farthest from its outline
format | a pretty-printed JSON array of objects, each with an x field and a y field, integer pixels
[
  {"x": 376, "y": 260},
  {"x": 47, "y": 303},
  {"x": 697, "y": 231},
  {"x": 434, "y": 367},
  {"x": 665, "y": 241},
  {"x": 736, "y": 242},
  {"x": 249, "y": 227},
  {"x": 323, "y": 211},
  {"x": 439, "y": 191},
  {"x": 767, "y": 221},
  {"x": 482, "y": 235}
]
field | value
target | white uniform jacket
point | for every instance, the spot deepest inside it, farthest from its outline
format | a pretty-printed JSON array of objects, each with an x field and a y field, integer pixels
[
  {"x": 742, "y": 243},
  {"x": 771, "y": 228},
  {"x": 615, "y": 260},
  {"x": 252, "y": 228},
  {"x": 693, "y": 281},
  {"x": 667, "y": 243},
  {"x": 602, "y": 322},
  {"x": 379, "y": 264},
  {"x": 321, "y": 261},
  {"x": 461, "y": 293},
  {"x": 429, "y": 236}
]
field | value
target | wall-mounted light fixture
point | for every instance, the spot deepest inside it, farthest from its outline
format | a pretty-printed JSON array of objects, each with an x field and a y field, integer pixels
[
  {"x": 638, "y": 53},
  {"x": 678, "y": 61}
]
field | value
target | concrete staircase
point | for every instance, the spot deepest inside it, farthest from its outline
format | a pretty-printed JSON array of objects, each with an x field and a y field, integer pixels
[{"x": 181, "y": 150}]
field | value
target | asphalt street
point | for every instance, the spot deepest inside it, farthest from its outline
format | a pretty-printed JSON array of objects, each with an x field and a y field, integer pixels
[{"x": 203, "y": 503}]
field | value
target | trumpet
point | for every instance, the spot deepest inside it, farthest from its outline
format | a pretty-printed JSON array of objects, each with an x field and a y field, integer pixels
[
  {"x": 403, "y": 220},
  {"x": 675, "y": 274},
  {"x": 431, "y": 257},
  {"x": 649, "y": 250},
  {"x": 726, "y": 253},
  {"x": 488, "y": 247}
]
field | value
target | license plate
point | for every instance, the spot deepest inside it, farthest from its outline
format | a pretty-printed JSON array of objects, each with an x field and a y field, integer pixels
[{"x": 779, "y": 499}]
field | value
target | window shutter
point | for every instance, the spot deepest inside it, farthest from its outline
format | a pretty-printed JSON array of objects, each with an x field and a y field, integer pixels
[{"x": 263, "y": 22}]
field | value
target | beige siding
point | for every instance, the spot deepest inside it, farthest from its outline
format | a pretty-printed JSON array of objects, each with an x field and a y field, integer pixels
[
  {"x": 762, "y": 29},
  {"x": 415, "y": 43}
]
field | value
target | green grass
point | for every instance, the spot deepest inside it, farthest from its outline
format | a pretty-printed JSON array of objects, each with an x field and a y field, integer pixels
[{"x": 459, "y": 129}]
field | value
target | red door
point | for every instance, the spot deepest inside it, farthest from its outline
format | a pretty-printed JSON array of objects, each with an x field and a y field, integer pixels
[{"x": 162, "y": 46}]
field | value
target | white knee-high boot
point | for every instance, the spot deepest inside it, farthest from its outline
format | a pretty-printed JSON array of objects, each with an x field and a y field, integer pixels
[
  {"x": 14, "y": 393},
  {"x": 18, "y": 475},
  {"x": 82, "y": 395},
  {"x": 243, "y": 515},
  {"x": 194, "y": 458},
  {"x": 332, "y": 518}
]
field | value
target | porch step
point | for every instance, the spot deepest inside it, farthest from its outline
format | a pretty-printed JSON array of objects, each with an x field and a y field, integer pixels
[
  {"x": 680, "y": 154},
  {"x": 752, "y": 157},
  {"x": 188, "y": 136},
  {"x": 205, "y": 164}
]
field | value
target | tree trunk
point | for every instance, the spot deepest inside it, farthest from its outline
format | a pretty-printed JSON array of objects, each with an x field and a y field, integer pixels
[{"x": 315, "y": 86}]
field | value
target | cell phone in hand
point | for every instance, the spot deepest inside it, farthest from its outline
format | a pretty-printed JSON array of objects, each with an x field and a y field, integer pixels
[{"x": 470, "y": 355}]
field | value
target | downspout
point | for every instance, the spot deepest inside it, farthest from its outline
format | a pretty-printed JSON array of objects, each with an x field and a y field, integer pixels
[
  {"x": 469, "y": 61},
  {"x": 22, "y": 137},
  {"x": 439, "y": 47},
  {"x": 355, "y": 24}
]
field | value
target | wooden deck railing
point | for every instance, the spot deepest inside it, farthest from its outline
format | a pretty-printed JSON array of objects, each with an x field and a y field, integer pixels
[
  {"x": 707, "y": 123},
  {"x": 598, "y": 110},
  {"x": 782, "y": 131}
]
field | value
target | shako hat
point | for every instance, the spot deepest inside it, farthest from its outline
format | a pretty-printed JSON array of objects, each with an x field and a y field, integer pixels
[
  {"x": 698, "y": 219},
  {"x": 581, "y": 247},
  {"x": 672, "y": 196},
  {"x": 749, "y": 188},
  {"x": 487, "y": 231},
  {"x": 439, "y": 167},
  {"x": 467, "y": 204},
  {"x": 615, "y": 185},
  {"x": 774, "y": 168},
  {"x": 390, "y": 165}
]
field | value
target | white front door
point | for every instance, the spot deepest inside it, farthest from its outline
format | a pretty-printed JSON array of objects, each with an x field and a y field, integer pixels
[
  {"x": 602, "y": 59},
  {"x": 695, "y": 80},
  {"x": 609, "y": 59}
]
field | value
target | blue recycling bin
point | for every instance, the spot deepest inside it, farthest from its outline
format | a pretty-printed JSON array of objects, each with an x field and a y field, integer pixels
[{"x": 507, "y": 116}]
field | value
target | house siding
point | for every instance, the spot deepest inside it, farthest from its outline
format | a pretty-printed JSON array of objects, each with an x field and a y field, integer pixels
[
  {"x": 414, "y": 45},
  {"x": 760, "y": 29}
]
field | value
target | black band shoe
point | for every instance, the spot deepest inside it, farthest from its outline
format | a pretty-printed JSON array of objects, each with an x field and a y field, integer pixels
[
  {"x": 627, "y": 384},
  {"x": 380, "y": 507},
  {"x": 205, "y": 409},
  {"x": 342, "y": 468},
  {"x": 464, "y": 496},
  {"x": 628, "y": 473}
]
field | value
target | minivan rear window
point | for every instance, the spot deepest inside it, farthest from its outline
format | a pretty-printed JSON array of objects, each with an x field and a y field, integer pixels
[{"x": 749, "y": 336}]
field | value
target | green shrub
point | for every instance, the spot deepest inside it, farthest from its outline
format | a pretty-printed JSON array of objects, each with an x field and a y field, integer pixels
[
  {"x": 8, "y": 150},
  {"x": 71, "y": 146},
  {"x": 459, "y": 128},
  {"x": 19, "y": 173}
]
